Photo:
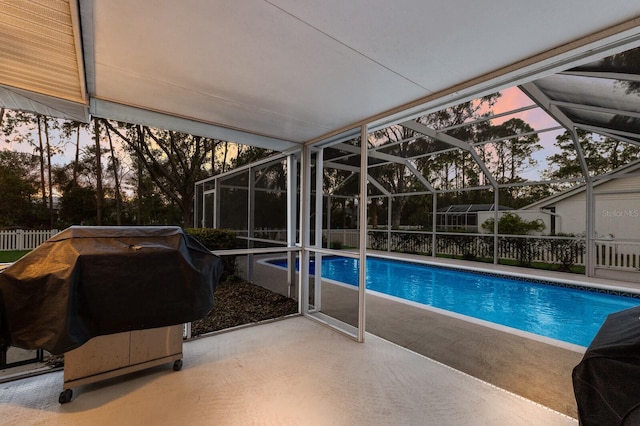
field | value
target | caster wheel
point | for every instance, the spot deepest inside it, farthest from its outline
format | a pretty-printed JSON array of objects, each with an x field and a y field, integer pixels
[
  {"x": 177, "y": 365},
  {"x": 65, "y": 396}
]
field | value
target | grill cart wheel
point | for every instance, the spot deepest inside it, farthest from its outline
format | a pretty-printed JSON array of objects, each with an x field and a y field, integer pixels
[
  {"x": 65, "y": 396},
  {"x": 177, "y": 365}
]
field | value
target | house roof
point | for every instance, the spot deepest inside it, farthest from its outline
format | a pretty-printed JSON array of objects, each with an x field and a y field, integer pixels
[
  {"x": 471, "y": 208},
  {"x": 628, "y": 169},
  {"x": 279, "y": 73}
]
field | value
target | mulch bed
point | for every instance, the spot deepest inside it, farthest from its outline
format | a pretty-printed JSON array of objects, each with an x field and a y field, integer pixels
[{"x": 240, "y": 302}]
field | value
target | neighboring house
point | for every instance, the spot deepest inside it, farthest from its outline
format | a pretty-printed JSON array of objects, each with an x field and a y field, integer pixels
[
  {"x": 616, "y": 201},
  {"x": 465, "y": 217}
]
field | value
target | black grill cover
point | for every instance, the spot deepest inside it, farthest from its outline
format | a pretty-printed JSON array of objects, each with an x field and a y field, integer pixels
[
  {"x": 91, "y": 281},
  {"x": 606, "y": 383}
]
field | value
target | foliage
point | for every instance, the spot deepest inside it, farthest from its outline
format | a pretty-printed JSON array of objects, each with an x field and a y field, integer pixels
[
  {"x": 377, "y": 240},
  {"x": 469, "y": 246},
  {"x": 19, "y": 188},
  {"x": 174, "y": 161},
  {"x": 567, "y": 250},
  {"x": 77, "y": 206},
  {"x": 512, "y": 224},
  {"x": 601, "y": 155},
  {"x": 218, "y": 239}
]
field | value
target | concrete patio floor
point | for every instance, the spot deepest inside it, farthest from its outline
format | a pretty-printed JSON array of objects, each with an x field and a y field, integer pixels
[
  {"x": 529, "y": 366},
  {"x": 289, "y": 372}
]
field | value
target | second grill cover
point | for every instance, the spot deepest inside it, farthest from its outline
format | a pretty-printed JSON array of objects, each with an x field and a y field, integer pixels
[
  {"x": 606, "y": 381},
  {"x": 91, "y": 281}
]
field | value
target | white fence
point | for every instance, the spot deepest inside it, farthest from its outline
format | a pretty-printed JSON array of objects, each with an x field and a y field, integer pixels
[
  {"x": 608, "y": 254},
  {"x": 618, "y": 255},
  {"x": 24, "y": 239}
]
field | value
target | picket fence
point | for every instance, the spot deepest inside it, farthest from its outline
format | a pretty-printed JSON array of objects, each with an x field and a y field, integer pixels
[{"x": 24, "y": 239}]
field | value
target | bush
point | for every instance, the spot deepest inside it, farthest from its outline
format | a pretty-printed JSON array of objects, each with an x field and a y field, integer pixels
[
  {"x": 512, "y": 224},
  {"x": 567, "y": 251},
  {"x": 218, "y": 239}
]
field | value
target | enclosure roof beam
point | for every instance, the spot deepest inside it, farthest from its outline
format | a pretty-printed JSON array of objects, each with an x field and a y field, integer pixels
[
  {"x": 355, "y": 169},
  {"x": 539, "y": 97},
  {"x": 603, "y": 74},
  {"x": 517, "y": 135},
  {"x": 491, "y": 116},
  {"x": 373, "y": 154},
  {"x": 421, "y": 128},
  {"x": 535, "y": 94},
  {"x": 616, "y": 133},
  {"x": 610, "y": 135},
  {"x": 593, "y": 108},
  {"x": 419, "y": 176}
]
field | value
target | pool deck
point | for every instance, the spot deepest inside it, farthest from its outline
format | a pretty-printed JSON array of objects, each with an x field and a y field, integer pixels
[
  {"x": 534, "y": 368},
  {"x": 289, "y": 372},
  {"x": 417, "y": 366}
]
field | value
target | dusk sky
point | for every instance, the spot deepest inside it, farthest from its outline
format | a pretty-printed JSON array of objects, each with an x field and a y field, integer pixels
[{"x": 511, "y": 98}]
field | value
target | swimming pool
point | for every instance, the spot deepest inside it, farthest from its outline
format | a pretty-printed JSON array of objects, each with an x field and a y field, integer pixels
[{"x": 564, "y": 313}]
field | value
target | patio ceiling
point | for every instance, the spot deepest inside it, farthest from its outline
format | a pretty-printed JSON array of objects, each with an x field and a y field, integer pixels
[{"x": 280, "y": 73}]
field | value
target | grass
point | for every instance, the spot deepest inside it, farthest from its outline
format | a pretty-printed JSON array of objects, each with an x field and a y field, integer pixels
[
  {"x": 574, "y": 269},
  {"x": 12, "y": 255}
]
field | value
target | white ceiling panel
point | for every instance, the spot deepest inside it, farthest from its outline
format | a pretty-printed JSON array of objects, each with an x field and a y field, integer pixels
[
  {"x": 250, "y": 65},
  {"x": 441, "y": 44}
]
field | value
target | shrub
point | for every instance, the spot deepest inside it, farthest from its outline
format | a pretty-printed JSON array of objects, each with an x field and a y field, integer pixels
[
  {"x": 567, "y": 251},
  {"x": 218, "y": 239}
]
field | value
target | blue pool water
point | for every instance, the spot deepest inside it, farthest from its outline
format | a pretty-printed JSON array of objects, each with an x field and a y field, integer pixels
[{"x": 567, "y": 314}]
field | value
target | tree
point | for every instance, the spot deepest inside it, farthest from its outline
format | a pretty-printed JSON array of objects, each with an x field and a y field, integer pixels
[
  {"x": 174, "y": 161},
  {"x": 513, "y": 154},
  {"x": 512, "y": 224},
  {"x": 444, "y": 168},
  {"x": 19, "y": 187},
  {"x": 602, "y": 155}
]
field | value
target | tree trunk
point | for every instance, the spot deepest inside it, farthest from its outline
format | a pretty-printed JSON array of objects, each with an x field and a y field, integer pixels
[
  {"x": 49, "y": 183},
  {"x": 99, "y": 191},
  {"x": 224, "y": 159},
  {"x": 114, "y": 165},
  {"x": 43, "y": 187},
  {"x": 139, "y": 170},
  {"x": 76, "y": 163}
]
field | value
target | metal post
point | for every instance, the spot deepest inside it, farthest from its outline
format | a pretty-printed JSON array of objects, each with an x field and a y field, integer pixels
[
  {"x": 328, "y": 221},
  {"x": 292, "y": 208},
  {"x": 362, "y": 278},
  {"x": 590, "y": 206},
  {"x": 590, "y": 229},
  {"x": 217, "y": 199},
  {"x": 496, "y": 200},
  {"x": 317, "y": 302},
  {"x": 250, "y": 222},
  {"x": 305, "y": 208},
  {"x": 389, "y": 205},
  {"x": 434, "y": 224}
]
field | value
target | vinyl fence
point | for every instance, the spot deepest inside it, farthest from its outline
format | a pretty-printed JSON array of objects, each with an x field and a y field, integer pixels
[{"x": 24, "y": 239}]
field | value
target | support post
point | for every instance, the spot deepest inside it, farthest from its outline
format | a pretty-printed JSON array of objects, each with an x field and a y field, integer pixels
[
  {"x": 389, "y": 205},
  {"x": 251, "y": 222},
  {"x": 496, "y": 200},
  {"x": 317, "y": 293},
  {"x": 434, "y": 224},
  {"x": 292, "y": 209},
  {"x": 217, "y": 199},
  {"x": 305, "y": 210},
  {"x": 362, "y": 277}
]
